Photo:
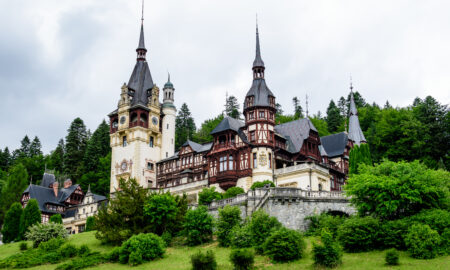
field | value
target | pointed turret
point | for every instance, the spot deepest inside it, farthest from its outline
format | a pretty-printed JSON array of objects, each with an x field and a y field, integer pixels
[
  {"x": 258, "y": 62},
  {"x": 354, "y": 129},
  {"x": 168, "y": 93}
]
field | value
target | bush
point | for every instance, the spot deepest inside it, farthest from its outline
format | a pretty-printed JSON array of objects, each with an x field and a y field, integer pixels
[
  {"x": 43, "y": 232},
  {"x": 207, "y": 195},
  {"x": 392, "y": 233},
  {"x": 52, "y": 244},
  {"x": 233, "y": 192},
  {"x": 445, "y": 241},
  {"x": 204, "y": 261},
  {"x": 437, "y": 219},
  {"x": 81, "y": 263},
  {"x": 392, "y": 257},
  {"x": 329, "y": 253},
  {"x": 10, "y": 230},
  {"x": 242, "y": 259},
  {"x": 324, "y": 221},
  {"x": 141, "y": 248},
  {"x": 113, "y": 255},
  {"x": 68, "y": 251},
  {"x": 161, "y": 210},
  {"x": 84, "y": 251},
  {"x": 284, "y": 245},
  {"x": 229, "y": 217},
  {"x": 241, "y": 237},
  {"x": 261, "y": 226},
  {"x": 422, "y": 242},
  {"x": 167, "y": 238},
  {"x": 358, "y": 234},
  {"x": 198, "y": 226},
  {"x": 56, "y": 219},
  {"x": 262, "y": 184},
  {"x": 23, "y": 246},
  {"x": 90, "y": 224}
]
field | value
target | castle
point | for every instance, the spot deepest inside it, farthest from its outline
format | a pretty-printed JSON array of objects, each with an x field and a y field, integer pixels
[{"x": 242, "y": 152}]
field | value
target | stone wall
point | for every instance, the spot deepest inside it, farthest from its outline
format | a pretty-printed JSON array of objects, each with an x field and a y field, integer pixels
[{"x": 289, "y": 205}]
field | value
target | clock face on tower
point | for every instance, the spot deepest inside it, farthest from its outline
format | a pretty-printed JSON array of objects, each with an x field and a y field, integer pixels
[
  {"x": 154, "y": 120},
  {"x": 122, "y": 120}
]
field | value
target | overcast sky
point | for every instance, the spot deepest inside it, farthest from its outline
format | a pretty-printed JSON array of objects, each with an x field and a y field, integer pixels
[{"x": 64, "y": 59}]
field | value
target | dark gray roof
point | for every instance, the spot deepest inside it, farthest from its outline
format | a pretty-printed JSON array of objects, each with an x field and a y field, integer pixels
[
  {"x": 98, "y": 198},
  {"x": 295, "y": 133},
  {"x": 196, "y": 147},
  {"x": 354, "y": 129},
  {"x": 175, "y": 156},
  {"x": 334, "y": 144},
  {"x": 140, "y": 81},
  {"x": 260, "y": 91},
  {"x": 47, "y": 180},
  {"x": 43, "y": 195},
  {"x": 258, "y": 62},
  {"x": 141, "y": 39},
  {"x": 228, "y": 123}
]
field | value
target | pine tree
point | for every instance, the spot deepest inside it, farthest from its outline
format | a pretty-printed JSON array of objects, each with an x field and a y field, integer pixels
[
  {"x": 30, "y": 216},
  {"x": 298, "y": 110},
  {"x": 343, "y": 108},
  {"x": 359, "y": 155},
  {"x": 16, "y": 183},
  {"x": 5, "y": 159},
  {"x": 24, "y": 150},
  {"x": 76, "y": 140},
  {"x": 10, "y": 229},
  {"x": 334, "y": 118},
  {"x": 184, "y": 126},
  {"x": 232, "y": 107},
  {"x": 57, "y": 157},
  {"x": 359, "y": 100},
  {"x": 35, "y": 147},
  {"x": 98, "y": 146}
]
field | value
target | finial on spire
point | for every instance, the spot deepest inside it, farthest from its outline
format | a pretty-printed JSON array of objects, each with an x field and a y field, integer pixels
[
  {"x": 307, "y": 112},
  {"x": 168, "y": 76},
  {"x": 142, "y": 15},
  {"x": 351, "y": 84}
]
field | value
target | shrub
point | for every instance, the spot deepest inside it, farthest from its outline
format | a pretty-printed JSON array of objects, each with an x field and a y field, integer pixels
[
  {"x": 68, "y": 251},
  {"x": 23, "y": 246},
  {"x": 393, "y": 232},
  {"x": 358, "y": 234},
  {"x": 30, "y": 216},
  {"x": 198, "y": 226},
  {"x": 84, "y": 251},
  {"x": 167, "y": 238},
  {"x": 52, "y": 244},
  {"x": 10, "y": 230},
  {"x": 437, "y": 219},
  {"x": 43, "y": 232},
  {"x": 328, "y": 253},
  {"x": 233, "y": 192},
  {"x": 261, "y": 226},
  {"x": 90, "y": 224},
  {"x": 161, "y": 210},
  {"x": 445, "y": 241},
  {"x": 241, "y": 237},
  {"x": 81, "y": 263},
  {"x": 422, "y": 242},
  {"x": 56, "y": 219},
  {"x": 141, "y": 248},
  {"x": 392, "y": 257},
  {"x": 207, "y": 195},
  {"x": 242, "y": 259},
  {"x": 113, "y": 255},
  {"x": 324, "y": 221},
  {"x": 284, "y": 245},
  {"x": 262, "y": 184},
  {"x": 204, "y": 261},
  {"x": 229, "y": 217}
]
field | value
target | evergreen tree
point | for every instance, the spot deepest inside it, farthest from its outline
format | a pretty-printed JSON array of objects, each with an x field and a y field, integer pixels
[
  {"x": 56, "y": 219},
  {"x": 35, "y": 147},
  {"x": 279, "y": 109},
  {"x": 24, "y": 150},
  {"x": 184, "y": 126},
  {"x": 30, "y": 216},
  {"x": 98, "y": 179},
  {"x": 57, "y": 157},
  {"x": 203, "y": 134},
  {"x": 76, "y": 140},
  {"x": 98, "y": 146},
  {"x": 232, "y": 107},
  {"x": 15, "y": 184},
  {"x": 5, "y": 159},
  {"x": 359, "y": 155},
  {"x": 359, "y": 100},
  {"x": 342, "y": 105},
  {"x": 298, "y": 110},
  {"x": 10, "y": 230},
  {"x": 334, "y": 118}
]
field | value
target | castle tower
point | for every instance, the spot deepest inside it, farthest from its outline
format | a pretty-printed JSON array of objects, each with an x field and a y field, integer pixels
[
  {"x": 259, "y": 112},
  {"x": 168, "y": 122},
  {"x": 136, "y": 136},
  {"x": 354, "y": 129}
]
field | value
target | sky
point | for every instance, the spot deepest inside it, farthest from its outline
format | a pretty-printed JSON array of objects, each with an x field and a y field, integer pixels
[{"x": 62, "y": 59}]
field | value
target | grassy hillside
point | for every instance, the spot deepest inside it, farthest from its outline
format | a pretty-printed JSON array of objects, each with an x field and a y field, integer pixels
[{"x": 179, "y": 258}]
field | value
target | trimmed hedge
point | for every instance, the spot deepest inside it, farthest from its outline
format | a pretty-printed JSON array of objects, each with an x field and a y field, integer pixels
[{"x": 392, "y": 257}]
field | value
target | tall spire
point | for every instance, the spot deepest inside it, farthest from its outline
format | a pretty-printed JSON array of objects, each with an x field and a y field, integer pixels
[
  {"x": 141, "y": 50},
  {"x": 354, "y": 129},
  {"x": 258, "y": 64}
]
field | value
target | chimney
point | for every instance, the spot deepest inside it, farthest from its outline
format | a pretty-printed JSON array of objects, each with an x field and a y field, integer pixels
[
  {"x": 67, "y": 183},
  {"x": 55, "y": 188}
]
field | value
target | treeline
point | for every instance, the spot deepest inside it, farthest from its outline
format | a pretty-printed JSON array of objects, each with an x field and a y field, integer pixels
[
  {"x": 83, "y": 157},
  {"x": 420, "y": 131}
]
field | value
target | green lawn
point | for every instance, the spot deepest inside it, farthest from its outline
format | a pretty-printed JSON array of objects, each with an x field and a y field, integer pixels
[{"x": 178, "y": 258}]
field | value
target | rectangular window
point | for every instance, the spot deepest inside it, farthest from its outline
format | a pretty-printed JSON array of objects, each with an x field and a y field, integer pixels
[
  {"x": 222, "y": 164},
  {"x": 167, "y": 126},
  {"x": 252, "y": 136},
  {"x": 151, "y": 141},
  {"x": 255, "y": 161},
  {"x": 150, "y": 166},
  {"x": 271, "y": 115},
  {"x": 261, "y": 115},
  {"x": 167, "y": 154},
  {"x": 124, "y": 141},
  {"x": 230, "y": 162}
]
